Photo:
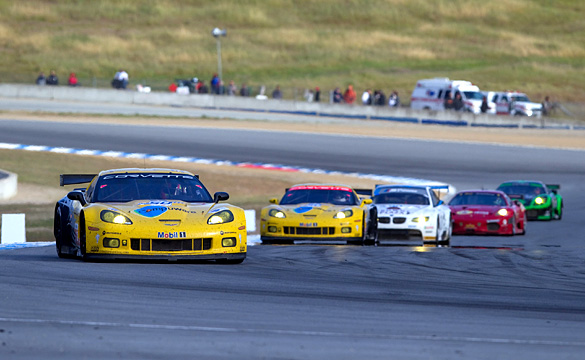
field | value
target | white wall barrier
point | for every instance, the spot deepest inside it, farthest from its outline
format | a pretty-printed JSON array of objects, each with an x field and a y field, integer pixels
[
  {"x": 13, "y": 229},
  {"x": 8, "y": 184}
]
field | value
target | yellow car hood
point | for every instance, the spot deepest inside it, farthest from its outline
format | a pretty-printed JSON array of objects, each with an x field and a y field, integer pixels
[{"x": 167, "y": 211}]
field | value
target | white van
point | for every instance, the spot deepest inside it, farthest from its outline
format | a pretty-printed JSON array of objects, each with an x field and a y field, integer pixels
[
  {"x": 430, "y": 94},
  {"x": 513, "y": 103}
]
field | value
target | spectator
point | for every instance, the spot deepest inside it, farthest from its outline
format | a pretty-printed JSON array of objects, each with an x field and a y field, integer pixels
[
  {"x": 349, "y": 95},
  {"x": 72, "y": 81},
  {"x": 448, "y": 104},
  {"x": 379, "y": 98},
  {"x": 308, "y": 95},
  {"x": 203, "y": 89},
  {"x": 214, "y": 84},
  {"x": 221, "y": 88},
  {"x": 367, "y": 97},
  {"x": 394, "y": 99},
  {"x": 337, "y": 97},
  {"x": 277, "y": 94},
  {"x": 120, "y": 80},
  {"x": 458, "y": 102},
  {"x": 232, "y": 89},
  {"x": 244, "y": 91},
  {"x": 317, "y": 94},
  {"x": 547, "y": 106},
  {"x": 484, "y": 105},
  {"x": 52, "y": 79},
  {"x": 41, "y": 79},
  {"x": 173, "y": 87}
]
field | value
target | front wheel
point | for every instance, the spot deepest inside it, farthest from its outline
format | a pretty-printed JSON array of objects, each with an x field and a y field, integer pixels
[
  {"x": 82, "y": 239},
  {"x": 58, "y": 233}
]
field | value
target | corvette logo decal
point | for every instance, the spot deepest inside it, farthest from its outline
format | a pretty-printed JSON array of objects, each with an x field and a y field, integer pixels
[{"x": 151, "y": 211}]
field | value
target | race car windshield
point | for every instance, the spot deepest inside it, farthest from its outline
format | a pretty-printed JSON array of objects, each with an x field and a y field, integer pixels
[
  {"x": 478, "y": 199},
  {"x": 528, "y": 191},
  {"x": 154, "y": 186},
  {"x": 401, "y": 198},
  {"x": 335, "y": 197}
]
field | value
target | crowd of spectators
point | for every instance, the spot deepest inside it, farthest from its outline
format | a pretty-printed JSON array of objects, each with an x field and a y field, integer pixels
[{"x": 217, "y": 87}]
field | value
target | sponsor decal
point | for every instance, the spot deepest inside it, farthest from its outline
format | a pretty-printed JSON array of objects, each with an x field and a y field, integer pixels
[
  {"x": 482, "y": 212},
  {"x": 183, "y": 210},
  {"x": 148, "y": 176},
  {"x": 171, "y": 235},
  {"x": 308, "y": 224},
  {"x": 321, "y": 187},
  {"x": 111, "y": 233},
  {"x": 303, "y": 209},
  {"x": 151, "y": 211},
  {"x": 160, "y": 203},
  {"x": 95, "y": 249},
  {"x": 92, "y": 228},
  {"x": 464, "y": 212}
]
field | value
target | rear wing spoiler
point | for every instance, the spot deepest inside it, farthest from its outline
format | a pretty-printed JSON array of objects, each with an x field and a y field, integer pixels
[
  {"x": 553, "y": 186},
  {"x": 366, "y": 192},
  {"x": 72, "y": 179}
]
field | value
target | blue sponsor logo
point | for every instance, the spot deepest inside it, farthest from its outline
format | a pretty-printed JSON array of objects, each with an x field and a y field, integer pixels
[
  {"x": 151, "y": 211},
  {"x": 171, "y": 235},
  {"x": 303, "y": 209}
]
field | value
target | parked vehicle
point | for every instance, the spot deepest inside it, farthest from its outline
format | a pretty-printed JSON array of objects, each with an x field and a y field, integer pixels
[
  {"x": 513, "y": 103},
  {"x": 430, "y": 94}
]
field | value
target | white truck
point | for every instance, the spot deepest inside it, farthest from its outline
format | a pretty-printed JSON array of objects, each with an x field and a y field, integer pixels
[
  {"x": 430, "y": 94},
  {"x": 513, "y": 103}
]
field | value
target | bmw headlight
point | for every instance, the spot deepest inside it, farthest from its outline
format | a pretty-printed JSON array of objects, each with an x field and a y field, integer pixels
[
  {"x": 420, "y": 219},
  {"x": 343, "y": 214},
  {"x": 114, "y": 217},
  {"x": 221, "y": 217},
  {"x": 539, "y": 200},
  {"x": 503, "y": 212},
  {"x": 277, "y": 213}
]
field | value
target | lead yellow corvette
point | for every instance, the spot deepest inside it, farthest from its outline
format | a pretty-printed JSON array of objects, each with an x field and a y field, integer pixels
[
  {"x": 147, "y": 214},
  {"x": 318, "y": 212}
]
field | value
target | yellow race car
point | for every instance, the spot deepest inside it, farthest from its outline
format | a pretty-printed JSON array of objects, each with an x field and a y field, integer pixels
[
  {"x": 147, "y": 214},
  {"x": 317, "y": 212}
]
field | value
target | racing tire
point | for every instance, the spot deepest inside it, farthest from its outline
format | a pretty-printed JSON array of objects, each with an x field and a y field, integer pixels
[
  {"x": 370, "y": 236},
  {"x": 58, "y": 233},
  {"x": 514, "y": 226},
  {"x": 448, "y": 233},
  {"x": 524, "y": 226},
  {"x": 559, "y": 214},
  {"x": 82, "y": 239}
]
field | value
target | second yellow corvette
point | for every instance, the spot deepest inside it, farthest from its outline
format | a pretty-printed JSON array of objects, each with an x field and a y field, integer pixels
[{"x": 319, "y": 212}]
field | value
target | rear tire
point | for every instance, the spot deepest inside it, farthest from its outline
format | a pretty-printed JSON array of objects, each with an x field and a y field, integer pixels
[
  {"x": 58, "y": 233},
  {"x": 82, "y": 238}
]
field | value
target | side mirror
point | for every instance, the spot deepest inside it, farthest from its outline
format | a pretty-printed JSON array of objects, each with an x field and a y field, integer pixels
[
  {"x": 77, "y": 195},
  {"x": 274, "y": 201},
  {"x": 367, "y": 201},
  {"x": 220, "y": 196}
]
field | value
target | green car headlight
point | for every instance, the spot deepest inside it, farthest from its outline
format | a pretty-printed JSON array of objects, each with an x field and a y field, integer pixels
[
  {"x": 221, "y": 217},
  {"x": 343, "y": 214},
  {"x": 277, "y": 213},
  {"x": 540, "y": 200},
  {"x": 420, "y": 219},
  {"x": 114, "y": 217}
]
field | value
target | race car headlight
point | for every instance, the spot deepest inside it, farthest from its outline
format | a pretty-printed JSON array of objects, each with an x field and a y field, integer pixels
[
  {"x": 503, "y": 212},
  {"x": 276, "y": 213},
  {"x": 539, "y": 200},
  {"x": 114, "y": 217},
  {"x": 420, "y": 219},
  {"x": 221, "y": 217},
  {"x": 343, "y": 214}
]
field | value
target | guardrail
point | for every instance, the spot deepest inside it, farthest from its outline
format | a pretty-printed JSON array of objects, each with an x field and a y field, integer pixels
[{"x": 321, "y": 109}]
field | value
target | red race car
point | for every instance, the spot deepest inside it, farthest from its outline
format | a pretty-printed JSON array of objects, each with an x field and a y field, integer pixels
[{"x": 487, "y": 212}]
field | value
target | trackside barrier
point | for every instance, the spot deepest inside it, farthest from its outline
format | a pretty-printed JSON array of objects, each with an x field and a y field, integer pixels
[
  {"x": 13, "y": 229},
  {"x": 250, "y": 220},
  {"x": 8, "y": 184},
  {"x": 321, "y": 109}
]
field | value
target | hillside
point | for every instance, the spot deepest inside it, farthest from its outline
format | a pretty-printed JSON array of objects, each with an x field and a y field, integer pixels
[{"x": 536, "y": 46}]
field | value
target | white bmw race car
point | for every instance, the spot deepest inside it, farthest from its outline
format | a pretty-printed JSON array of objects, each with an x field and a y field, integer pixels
[{"x": 412, "y": 212}]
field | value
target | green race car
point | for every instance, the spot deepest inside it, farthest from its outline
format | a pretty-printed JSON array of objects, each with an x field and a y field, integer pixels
[{"x": 542, "y": 201}]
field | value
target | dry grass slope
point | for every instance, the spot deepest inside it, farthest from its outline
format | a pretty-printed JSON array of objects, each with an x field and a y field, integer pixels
[{"x": 532, "y": 45}]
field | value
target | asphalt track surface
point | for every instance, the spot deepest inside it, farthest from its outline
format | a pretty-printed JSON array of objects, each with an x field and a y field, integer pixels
[{"x": 484, "y": 298}]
